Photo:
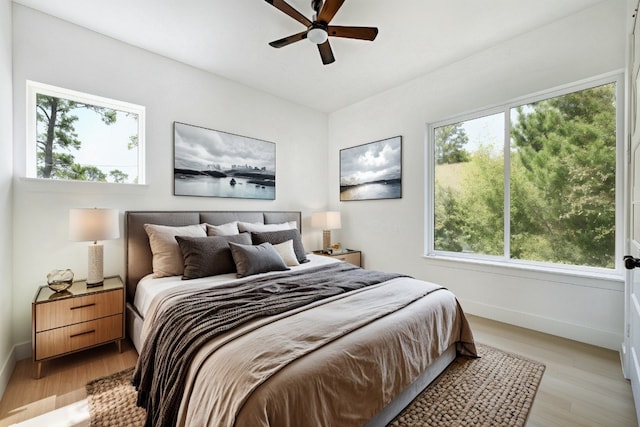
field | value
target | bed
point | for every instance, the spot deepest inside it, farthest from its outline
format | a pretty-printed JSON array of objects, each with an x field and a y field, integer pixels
[{"x": 357, "y": 356}]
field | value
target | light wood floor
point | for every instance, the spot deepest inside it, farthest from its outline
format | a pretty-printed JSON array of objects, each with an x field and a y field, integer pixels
[
  {"x": 62, "y": 381},
  {"x": 582, "y": 384}
]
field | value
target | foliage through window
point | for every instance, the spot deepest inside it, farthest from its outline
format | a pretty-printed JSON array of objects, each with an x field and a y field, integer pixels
[
  {"x": 76, "y": 136},
  {"x": 531, "y": 182}
]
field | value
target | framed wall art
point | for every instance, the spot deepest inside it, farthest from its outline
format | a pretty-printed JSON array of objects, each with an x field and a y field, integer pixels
[
  {"x": 212, "y": 163},
  {"x": 372, "y": 171}
]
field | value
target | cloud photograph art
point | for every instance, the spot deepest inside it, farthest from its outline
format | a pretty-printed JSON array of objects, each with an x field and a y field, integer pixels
[{"x": 372, "y": 171}]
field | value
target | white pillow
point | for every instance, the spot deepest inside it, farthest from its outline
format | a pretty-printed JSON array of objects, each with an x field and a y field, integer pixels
[
  {"x": 167, "y": 257},
  {"x": 285, "y": 249},
  {"x": 257, "y": 227},
  {"x": 228, "y": 229}
]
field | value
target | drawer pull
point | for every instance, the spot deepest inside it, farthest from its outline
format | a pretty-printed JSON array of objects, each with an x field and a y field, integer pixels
[
  {"x": 83, "y": 333},
  {"x": 82, "y": 306}
]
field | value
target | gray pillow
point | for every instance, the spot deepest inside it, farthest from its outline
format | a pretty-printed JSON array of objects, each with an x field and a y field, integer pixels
[
  {"x": 209, "y": 256},
  {"x": 251, "y": 259},
  {"x": 280, "y": 236}
]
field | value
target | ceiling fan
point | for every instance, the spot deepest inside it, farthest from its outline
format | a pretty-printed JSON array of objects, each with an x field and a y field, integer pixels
[{"x": 319, "y": 30}]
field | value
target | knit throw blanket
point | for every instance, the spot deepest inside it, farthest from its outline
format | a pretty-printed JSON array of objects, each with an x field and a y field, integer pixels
[{"x": 182, "y": 329}]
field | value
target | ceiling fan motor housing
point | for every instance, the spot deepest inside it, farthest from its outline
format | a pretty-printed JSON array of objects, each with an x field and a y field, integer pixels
[{"x": 317, "y": 32}]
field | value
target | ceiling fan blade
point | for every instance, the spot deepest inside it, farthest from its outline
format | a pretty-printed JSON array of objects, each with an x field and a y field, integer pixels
[
  {"x": 329, "y": 9},
  {"x": 288, "y": 40},
  {"x": 326, "y": 53},
  {"x": 361, "y": 33},
  {"x": 283, "y": 6}
]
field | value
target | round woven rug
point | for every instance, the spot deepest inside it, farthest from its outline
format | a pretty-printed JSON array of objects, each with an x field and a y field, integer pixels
[{"x": 496, "y": 389}]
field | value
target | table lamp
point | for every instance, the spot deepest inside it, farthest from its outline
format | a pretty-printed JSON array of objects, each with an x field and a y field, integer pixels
[
  {"x": 86, "y": 225},
  {"x": 327, "y": 221}
]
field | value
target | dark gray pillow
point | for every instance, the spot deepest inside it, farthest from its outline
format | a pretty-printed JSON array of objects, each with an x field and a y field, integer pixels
[
  {"x": 209, "y": 256},
  {"x": 251, "y": 259},
  {"x": 280, "y": 236}
]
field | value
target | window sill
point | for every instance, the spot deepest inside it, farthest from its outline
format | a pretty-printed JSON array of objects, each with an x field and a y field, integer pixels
[
  {"x": 68, "y": 186},
  {"x": 612, "y": 280}
]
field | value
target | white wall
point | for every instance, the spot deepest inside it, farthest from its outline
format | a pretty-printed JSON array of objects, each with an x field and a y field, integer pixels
[
  {"x": 55, "y": 52},
  {"x": 51, "y": 51},
  {"x": 390, "y": 232},
  {"x": 7, "y": 361}
]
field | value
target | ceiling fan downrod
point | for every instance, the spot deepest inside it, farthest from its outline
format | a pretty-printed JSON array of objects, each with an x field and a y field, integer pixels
[{"x": 316, "y": 5}]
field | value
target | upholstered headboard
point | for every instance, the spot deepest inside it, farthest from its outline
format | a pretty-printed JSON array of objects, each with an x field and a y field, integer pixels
[{"x": 138, "y": 251}]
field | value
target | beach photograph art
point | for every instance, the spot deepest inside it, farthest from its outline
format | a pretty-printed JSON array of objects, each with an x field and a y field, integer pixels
[{"x": 212, "y": 163}]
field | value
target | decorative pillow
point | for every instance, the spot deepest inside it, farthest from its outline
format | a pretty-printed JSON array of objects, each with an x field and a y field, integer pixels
[
  {"x": 209, "y": 256},
  {"x": 259, "y": 227},
  {"x": 251, "y": 259},
  {"x": 167, "y": 259},
  {"x": 288, "y": 255},
  {"x": 228, "y": 229},
  {"x": 275, "y": 237}
]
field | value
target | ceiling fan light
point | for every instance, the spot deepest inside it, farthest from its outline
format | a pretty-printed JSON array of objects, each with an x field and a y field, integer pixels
[{"x": 317, "y": 35}]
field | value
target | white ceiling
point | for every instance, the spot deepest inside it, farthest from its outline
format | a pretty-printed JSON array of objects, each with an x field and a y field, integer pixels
[{"x": 230, "y": 38}]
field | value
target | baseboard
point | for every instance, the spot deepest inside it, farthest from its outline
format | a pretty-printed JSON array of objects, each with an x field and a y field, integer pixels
[
  {"x": 624, "y": 361},
  {"x": 18, "y": 352},
  {"x": 550, "y": 326},
  {"x": 7, "y": 369}
]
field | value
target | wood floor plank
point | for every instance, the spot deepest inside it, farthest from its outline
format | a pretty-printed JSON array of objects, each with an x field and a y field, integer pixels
[
  {"x": 62, "y": 382},
  {"x": 582, "y": 385}
]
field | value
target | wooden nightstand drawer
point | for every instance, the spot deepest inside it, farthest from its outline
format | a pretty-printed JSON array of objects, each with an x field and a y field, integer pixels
[
  {"x": 80, "y": 309},
  {"x": 353, "y": 258},
  {"x": 82, "y": 335},
  {"x": 348, "y": 255}
]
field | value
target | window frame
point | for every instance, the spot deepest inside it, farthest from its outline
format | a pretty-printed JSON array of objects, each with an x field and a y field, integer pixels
[
  {"x": 35, "y": 88},
  {"x": 616, "y": 77}
]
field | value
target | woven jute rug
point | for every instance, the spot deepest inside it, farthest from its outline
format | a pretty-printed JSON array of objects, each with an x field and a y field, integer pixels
[{"x": 496, "y": 389}]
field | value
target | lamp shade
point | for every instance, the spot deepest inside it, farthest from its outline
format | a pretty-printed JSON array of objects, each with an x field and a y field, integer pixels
[
  {"x": 93, "y": 224},
  {"x": 329, "y": 220}
]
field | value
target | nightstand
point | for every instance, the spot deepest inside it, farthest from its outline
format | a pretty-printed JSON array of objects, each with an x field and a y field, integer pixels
[
  {"x": 348, "y": 255},
  {"x": 76, "y": 319}
]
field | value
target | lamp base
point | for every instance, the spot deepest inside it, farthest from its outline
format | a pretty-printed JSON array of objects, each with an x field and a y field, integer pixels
[
  {"x": 95, "y": 272},
  {"x": 326, "y": 241}
]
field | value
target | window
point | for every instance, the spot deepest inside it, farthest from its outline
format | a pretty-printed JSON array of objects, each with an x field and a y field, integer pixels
[
  {"x": 534, "y": 181},
  {"x": 82, "y": 137}
]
